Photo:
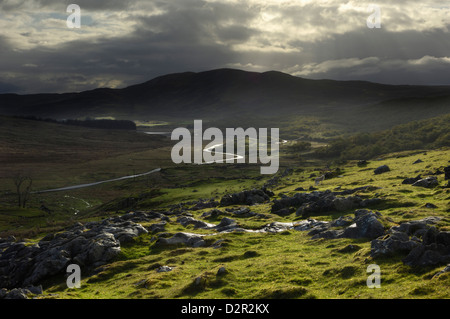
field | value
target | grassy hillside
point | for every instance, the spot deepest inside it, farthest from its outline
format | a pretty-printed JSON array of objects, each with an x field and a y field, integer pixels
[
  {"x": 287, "y": 264},
  {"x": 425, "y": 134}
]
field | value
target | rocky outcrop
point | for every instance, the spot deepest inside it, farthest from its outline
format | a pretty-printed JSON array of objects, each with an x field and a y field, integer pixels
[
  {"x": 419, "y": 240},
  {"x": 365, "y": 224},
  {"x": 247, "y": 197},
  {"x": 428, "y": 182},
  {"x": 307, "y": 204},
  {"x": 89, "y": 245}
]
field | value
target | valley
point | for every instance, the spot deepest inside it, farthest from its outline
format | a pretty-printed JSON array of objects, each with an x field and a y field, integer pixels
[{"x": 145, "y": 227}]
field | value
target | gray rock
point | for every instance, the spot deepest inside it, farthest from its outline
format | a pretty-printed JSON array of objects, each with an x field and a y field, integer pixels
[
  {"x": 366, "y": 225},
  {"x": 188, "y": 239},
  {"x": 247, "y": 197},
  {"x": 342, "y": 221},
  {"x": 48, "y": 263},
  {"x": 88, "y": 245},
  {"x": 164, "y": 269},
  {"x": 311, "y": 225},
  {"x": 411, "y": 180},
  {"x": 433, "y": 249},
  {"x": 222, "y": 271},
  {"x": 381, "y": 169},
  {"x": 428, "y": 182},
  {"x": 17, "y": 293},
  {"x": 226, "y": 224},
  {"x": 417, "y": 226},
  {"x": 276, "y": 227},
  {"x": 186, "y": 220},
  {"x": 393, "y": 244},
  {"x": 158, "y": 227}
]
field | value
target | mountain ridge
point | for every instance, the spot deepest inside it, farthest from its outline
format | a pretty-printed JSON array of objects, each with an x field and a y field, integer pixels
[{"x": 227, "y": 93}]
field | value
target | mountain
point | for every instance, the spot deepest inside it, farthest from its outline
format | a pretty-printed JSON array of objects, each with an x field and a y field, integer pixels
[{"x": 235, "y": 94}]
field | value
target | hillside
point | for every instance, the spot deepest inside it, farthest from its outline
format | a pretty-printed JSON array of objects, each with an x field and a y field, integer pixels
[
  {"x": 291, "y": 243},
  {"x": 226, "y": 94}
]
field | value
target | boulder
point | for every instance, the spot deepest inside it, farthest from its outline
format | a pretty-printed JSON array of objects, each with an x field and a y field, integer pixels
[
  {"x": 392, "y": 244},
  {"x": 188, "y": 239},
  {"x": 226, "y": 224},
  {"x": 89, "y": 245},
  {"x": 381, "y": 169},
  {"x": 432, "y": 249},
  {"x": 428, "y": 182},
  {"x": 157, "y": 227},
  {"x": 186, "y": 220},
  {"x": 366, "y": 225},
  {"x": 247, "y": 197},
  {"x": 411, "y": 180}
]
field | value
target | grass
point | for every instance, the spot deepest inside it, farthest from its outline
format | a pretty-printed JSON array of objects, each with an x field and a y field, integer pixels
[{"x": 258, "y": 265}]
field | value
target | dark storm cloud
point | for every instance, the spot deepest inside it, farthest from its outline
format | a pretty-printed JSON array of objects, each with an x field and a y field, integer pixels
[
  {"x": 128, "y": 42},
  {"x": 187, "y": 37}
]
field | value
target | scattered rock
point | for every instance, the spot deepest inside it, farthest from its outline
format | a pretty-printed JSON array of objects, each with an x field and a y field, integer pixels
[
  {"x": 418, "y": 161},
  {"x": 392, "y": 244},
  {"x": 247, "y": 197},
  {"x": 186, "y": 220},
  {"x": 432, "y": 249},
  {"x": 213, "y": 213},
  {"x": 366, "y": 225},
  {"x": 90, "y": 245},
  {"x": 188, "y": 239},
  {"x": 17, "y": 293},
  {"x": 411, "y": 180},
  {"x": 226, "y": 224},
  {"x": 307, "y": 204},
  {"x": 222, "y": 271},
  {"x": 428, "y": 182},
  {"x": 381, "y": 169},
  {"x": 164, "y": 269},
  {"x": 157, "y": 227}
]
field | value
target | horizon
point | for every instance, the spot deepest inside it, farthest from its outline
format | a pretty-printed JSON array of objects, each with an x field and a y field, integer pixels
[{"x": 223, "y": 69}]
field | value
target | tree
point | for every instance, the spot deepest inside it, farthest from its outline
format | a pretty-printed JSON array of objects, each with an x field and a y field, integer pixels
[{"x": 23, "y": 189}]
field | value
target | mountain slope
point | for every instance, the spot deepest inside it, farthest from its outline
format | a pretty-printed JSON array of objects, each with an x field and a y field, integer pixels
[{"x": 224, "y": 93}]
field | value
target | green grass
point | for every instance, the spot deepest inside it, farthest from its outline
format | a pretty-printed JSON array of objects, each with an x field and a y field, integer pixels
[
  {"x": 283, "y": 265},
  {"x": 258, "y": 265}
]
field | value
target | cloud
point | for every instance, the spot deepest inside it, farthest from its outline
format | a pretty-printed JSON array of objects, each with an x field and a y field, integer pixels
[{"x": 126, "y": 42}]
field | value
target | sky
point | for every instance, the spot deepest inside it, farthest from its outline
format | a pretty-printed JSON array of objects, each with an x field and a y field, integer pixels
[{"x": 125, "y": 42}]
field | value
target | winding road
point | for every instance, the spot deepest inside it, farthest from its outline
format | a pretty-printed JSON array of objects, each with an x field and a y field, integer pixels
[
  {"x": 96, "y": 183},
  {"x": 209, "y": 149}
]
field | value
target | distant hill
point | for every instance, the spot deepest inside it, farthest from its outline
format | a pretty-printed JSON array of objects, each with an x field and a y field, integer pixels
[
  {"x": 238, "y": 95},
  {"x": 425, "y": 134}
]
